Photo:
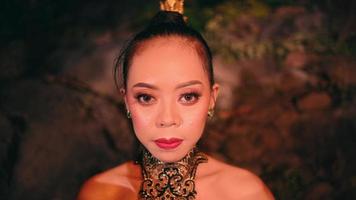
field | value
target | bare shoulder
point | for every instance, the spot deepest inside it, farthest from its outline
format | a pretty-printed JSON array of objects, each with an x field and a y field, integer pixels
[
  {"x": 116, "y": 183},
  {"x": 240, "y": 183}
]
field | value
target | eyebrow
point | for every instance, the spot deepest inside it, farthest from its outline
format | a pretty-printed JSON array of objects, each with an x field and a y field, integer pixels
[
  {"x": 181, "y": 85},
  {"x": 145, "y": 85},
  {"x": 189, "y": 83}
]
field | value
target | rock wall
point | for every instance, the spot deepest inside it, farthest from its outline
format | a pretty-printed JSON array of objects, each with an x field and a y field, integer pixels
[{"x": 288, "y": 116}]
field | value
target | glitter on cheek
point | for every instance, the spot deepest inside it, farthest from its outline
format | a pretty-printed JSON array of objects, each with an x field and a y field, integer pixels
[
  {"x": 191, "y": 120},
  {"x": 142, "y": 119},
  {"x": 194, "y": 122}
]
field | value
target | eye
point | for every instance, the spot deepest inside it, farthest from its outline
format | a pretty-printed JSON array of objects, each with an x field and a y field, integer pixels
[
  {"x": 189, "y": 98},
  {"x": 145, "y": 99}
]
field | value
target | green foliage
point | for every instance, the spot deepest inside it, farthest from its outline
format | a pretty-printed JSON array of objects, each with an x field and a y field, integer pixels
[
  {"x": 278, "y": 3},
  {"x": 258, "y": 29}
]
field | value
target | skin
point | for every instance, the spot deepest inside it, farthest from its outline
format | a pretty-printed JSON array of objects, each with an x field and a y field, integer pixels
[{"x": 168, "y": 94}]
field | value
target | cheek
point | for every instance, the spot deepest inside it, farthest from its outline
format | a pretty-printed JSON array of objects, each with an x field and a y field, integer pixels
[
  {"x": 140, "y": 122},
  {"x": 194, "y": 119},
  {"x": 141, "y": 117}
]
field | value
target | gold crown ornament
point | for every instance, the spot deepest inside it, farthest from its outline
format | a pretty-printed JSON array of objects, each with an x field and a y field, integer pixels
[{"x": 172, "y": 5}]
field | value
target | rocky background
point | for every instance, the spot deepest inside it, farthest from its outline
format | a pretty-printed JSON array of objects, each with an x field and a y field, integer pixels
[{"x": 286, "y": 112}]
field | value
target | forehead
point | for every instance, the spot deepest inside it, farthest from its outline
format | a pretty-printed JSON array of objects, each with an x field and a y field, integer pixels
[{"x": 167, "y": 60}]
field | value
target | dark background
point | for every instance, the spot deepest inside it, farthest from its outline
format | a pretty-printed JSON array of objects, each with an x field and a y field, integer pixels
[{"x": 286, "y": 111}]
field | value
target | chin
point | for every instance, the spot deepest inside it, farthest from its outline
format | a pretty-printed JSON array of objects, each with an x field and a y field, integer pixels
[{"x": 169, "y": 155}]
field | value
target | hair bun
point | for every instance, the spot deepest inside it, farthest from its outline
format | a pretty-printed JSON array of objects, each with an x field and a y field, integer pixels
[{"x": 167, "y": 17}]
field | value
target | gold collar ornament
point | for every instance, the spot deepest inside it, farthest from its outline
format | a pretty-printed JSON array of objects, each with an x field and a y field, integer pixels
[
  {"x": 172, "y": 5},
  {"x": 166, "y": 181}
]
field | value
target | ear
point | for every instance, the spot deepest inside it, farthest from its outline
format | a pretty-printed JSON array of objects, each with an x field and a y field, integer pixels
[
  {"x": 124, "y": 96},
  {"x": 214, "y": 95}
]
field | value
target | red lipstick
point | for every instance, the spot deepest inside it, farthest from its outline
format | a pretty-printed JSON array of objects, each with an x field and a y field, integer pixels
[{"x": 167, "y": 144}]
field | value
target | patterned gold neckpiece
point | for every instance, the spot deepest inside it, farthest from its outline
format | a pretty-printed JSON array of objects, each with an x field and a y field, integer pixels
[{"x": 170, "y": 180}]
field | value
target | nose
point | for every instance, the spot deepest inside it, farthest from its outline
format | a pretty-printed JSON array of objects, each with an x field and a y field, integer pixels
[{"x": 168, "y": 115}]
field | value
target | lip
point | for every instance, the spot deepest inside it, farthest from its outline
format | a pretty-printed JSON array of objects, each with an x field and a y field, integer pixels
[{"x": 167, "y": 144}]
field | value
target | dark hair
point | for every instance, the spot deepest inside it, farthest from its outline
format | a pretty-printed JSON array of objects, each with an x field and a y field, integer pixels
[{"x": 163, "y": 24}]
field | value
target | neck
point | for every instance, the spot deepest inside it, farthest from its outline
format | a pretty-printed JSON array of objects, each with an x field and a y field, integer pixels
[{"x": 170, "y": 180}]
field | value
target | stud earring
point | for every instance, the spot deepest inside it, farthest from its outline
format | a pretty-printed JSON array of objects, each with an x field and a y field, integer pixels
[
  {"x": 128, "y": 114},
  {"x": 211, "y": 113}
]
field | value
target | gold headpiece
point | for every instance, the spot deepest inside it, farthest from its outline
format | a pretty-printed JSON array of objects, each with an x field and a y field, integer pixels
[{"x": 172, "y": 5}]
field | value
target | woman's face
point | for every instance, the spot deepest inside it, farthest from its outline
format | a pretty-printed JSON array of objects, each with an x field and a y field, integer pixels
[{"x": 168, "y": 94}]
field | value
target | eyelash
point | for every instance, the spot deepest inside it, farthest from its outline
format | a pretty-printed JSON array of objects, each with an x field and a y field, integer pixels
[
  {"x": 139, "y": 97},
  {"x": 195, "y": 95}
]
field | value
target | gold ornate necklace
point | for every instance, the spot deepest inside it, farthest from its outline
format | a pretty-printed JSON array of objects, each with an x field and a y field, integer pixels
[{"x": 170, "y": 180}]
